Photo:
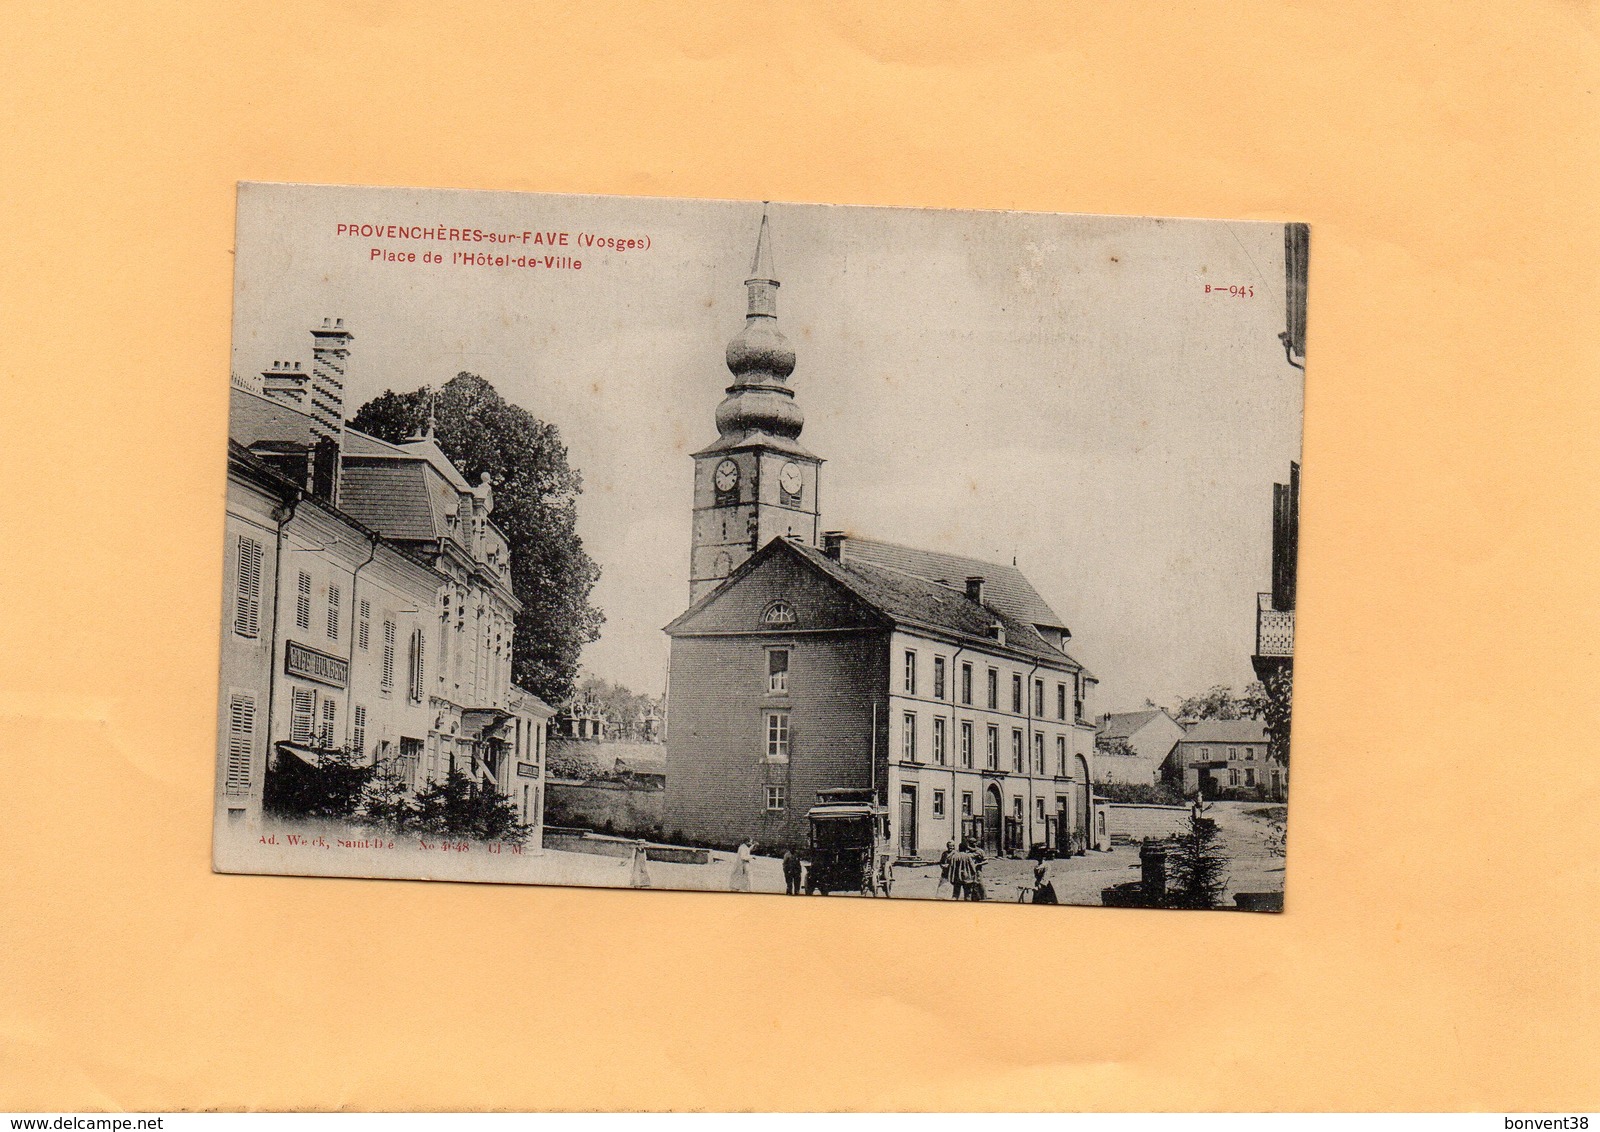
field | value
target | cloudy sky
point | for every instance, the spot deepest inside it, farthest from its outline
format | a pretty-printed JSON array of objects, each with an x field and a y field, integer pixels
[{"x": 1058, "y": 389}]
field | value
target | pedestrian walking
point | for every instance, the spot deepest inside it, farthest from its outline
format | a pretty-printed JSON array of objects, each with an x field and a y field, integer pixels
[
  {"x": 964, "y": 872},
  {"x": 639, "y": 876},
  {"x": 1044, "y": 892},
  {"x": 944, "y": 869},
  {"x": 792, "y": 869},
  {"x": 739, "y": 879}
]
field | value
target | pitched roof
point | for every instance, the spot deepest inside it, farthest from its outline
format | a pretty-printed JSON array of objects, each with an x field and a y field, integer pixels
[
  {"x": 1120, "y": 725},
  {"x": 1004, "y": 587},
  {"x": 391, "y": 497},
  {"x": 254, "y": 418},
  {"x": 1226, "y": 731},
  {"x": 905, "y": 599}
]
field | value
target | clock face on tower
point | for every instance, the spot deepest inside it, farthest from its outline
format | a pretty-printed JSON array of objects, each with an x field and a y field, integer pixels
[
  {"x": 789, "y": 478},
  {"x": 727, "y": 476}
]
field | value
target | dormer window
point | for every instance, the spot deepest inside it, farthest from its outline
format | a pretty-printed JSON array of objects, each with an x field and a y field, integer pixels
[{"x": 778, "y": 613}]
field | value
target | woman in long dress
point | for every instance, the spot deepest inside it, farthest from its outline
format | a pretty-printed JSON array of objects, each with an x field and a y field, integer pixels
[
  {"x": 640, "y": 875},
  {"x": 739, "y": 880}
]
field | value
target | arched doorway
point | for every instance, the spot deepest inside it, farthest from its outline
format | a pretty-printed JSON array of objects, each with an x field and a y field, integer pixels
[
  {"x": 1083, "y": 801},
  {"x": 991, "y": 820}
]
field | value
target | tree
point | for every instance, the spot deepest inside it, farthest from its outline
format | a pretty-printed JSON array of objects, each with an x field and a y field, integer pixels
[
  {"x": 1114, "y": 745},
  {"x": 1277, "y": 698},
  {"x": 1199, "y": 865},
  {"x": 535, "y": 503},
  {"x": 458, "y": 808},
  {"x": 1220, "y": 702},
  {"x": 329, "y": 790}
]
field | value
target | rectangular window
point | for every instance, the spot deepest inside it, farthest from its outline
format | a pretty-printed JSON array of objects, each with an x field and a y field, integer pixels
[
  {"x": 1016, "y": 693},
  {"x": 966, "y": 683},
  {"x": 364, "y": 625},
  {"x": 911, "y": 673},
  {"x": 938, "y": 740},
  {"x": 1016, "y": 807},
  {"x": 1039, "y": 807},
  {"x": 358, "y": 734},
  {"x": 1038, "y": 753},
  {"x": 776, "y": 799},
  {"x": 1038, "y": 698},
  {"x": 938, "y": 803},
  {"x": 938, "y": 677},
  {"x": 389, "y": 633},
  {"x": 778, "y": 736},
  {"x": 1249, "y": 754},
  {"x": 966, "y": 744},
  {"x": 1061, "y": 756},
  {"x": 247, "y": 604},
  {"x": 302, "y": 714},
  {"x": 1061, "y": 701},
  {"x": 1233, "y": 776},
  {"x": 241, "y": 740},
  {"x": 1249, "y": 776},
  {"x": 1233, "y": 753},
  {"x": 994, "y": 689},
  {"x": 1016, "y": 750},
  {"x": 1080, "y": 692},
  {"x": 1205, "y": 754},
  {"x": 908, "y": 738},
  {"x": 992, "y": 753},
  {"x": 333, "y": 613},
  {"x": 302, "y": 602},
  {"x": 966, "y": 803},
  {"x": 330, "y": 709},
  {"x": 777, "y": 672}
]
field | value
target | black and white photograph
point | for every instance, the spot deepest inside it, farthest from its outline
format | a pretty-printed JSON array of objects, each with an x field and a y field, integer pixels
[{"x": 759, "y": 547}]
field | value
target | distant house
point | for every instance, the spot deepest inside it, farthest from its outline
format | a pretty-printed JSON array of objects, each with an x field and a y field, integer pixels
[
  {"x": 1151, "y": 734},
  {"x": 1227, "y": 758}
]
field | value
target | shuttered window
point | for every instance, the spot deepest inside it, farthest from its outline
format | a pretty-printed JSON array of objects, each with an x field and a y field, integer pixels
[
  {"x": 302, "y": 602},
  {"x": 333, "y": 613},
  {"x": 364, "y": 624},
  {"x": 247, "y": 606},
  {"x": 388, "y": 655},
  {"x": 241, "y": 740},
  {"x": 302, "y": 714},
  {"x": 329, "y": 709},
  {"x": 358, "y": 736},
  {"x": 417, "y": 665}
]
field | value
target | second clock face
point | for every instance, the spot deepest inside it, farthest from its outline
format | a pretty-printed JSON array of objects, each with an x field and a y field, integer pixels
[
  {"x": 727, "y": 476},
  {"x": 789, "y": 478}
]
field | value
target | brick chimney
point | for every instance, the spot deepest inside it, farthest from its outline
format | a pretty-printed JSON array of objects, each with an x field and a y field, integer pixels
[
  {"x": 330, "y": 353},
  {"x": 288, "y": 383}
]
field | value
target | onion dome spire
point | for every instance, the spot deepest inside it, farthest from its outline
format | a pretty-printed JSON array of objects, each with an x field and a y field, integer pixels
[{"x": 760, "y": 358}]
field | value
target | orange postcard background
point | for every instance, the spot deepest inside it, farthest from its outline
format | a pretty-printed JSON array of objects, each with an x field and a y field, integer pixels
[{"x": 1440, "y": 947}]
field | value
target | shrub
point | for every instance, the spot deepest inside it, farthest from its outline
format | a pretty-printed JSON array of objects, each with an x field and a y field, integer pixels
[
  {"x": 1144, "y": 793},
  {"x": 331, "y": 790},
  {"x": 459, "y": 808}
]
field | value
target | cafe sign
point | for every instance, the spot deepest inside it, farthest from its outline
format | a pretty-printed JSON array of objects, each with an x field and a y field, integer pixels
[
  {"x": 298, "y": 660},
  {"x": 528, "y": 770}
]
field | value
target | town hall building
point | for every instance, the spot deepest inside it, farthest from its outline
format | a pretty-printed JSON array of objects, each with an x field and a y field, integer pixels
[{"x": 813, "y": 660}]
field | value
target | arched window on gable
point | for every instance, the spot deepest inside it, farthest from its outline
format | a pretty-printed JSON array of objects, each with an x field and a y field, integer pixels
[{"x": 778, "y": 613}]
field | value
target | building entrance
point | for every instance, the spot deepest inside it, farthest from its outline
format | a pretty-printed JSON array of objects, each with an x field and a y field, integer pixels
[
  {"x": 908, "y": 821},
  {"x": 991, "y": 820}
]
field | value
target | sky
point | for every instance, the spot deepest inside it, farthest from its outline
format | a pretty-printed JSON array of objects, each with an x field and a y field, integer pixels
[{"x": 1058, "y": 389}]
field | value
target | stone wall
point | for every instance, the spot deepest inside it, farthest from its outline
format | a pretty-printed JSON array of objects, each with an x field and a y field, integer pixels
[
  {"x": 1131, "y": 821},
  {"x": 624, "y": 808}
]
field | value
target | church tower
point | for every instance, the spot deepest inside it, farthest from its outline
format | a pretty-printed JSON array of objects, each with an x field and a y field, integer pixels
[{"x": 756, "y": 482}]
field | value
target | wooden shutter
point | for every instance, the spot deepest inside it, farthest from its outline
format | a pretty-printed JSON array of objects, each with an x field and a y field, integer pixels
[
  {"x": 364, "y": 625},
  {"x": 333, "y": 613},
  {"x": 247, "y": 611},
  {"x": 302, "y": 708},
  {"x": 241, "y": 740},
  {"x": 388, "y": 654},
  {"x": 302, "y": 602},
  {"x": 329, "y": 708},
  {"x": 359, "y": 734}
]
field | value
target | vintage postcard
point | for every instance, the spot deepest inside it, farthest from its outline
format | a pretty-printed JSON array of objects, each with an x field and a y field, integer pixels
[{"x": 772, "y": 548}]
